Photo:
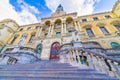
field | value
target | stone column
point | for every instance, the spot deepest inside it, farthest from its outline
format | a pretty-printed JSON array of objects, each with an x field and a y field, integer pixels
[
  {"x": 39, "y": 32},
  {"x": 113, "y": 70},
  {"x": 94, "y": 62},
  {"x": 69, "y": 56},
  {"x": 62, "y": 27},
  {"x": 65, "y": 29},
  {"x": 79, "y": 62},
  {"x": 52, "y": 26},
  {"x": 100, "y": 64},
  {"x": 105, "y": 67},
  {"x": 74, "y": 56},
  {"x": 89, "y": 59},
  {"x": 49, "y": 29},
  {"x": 79, "y": 27},
  {"x": 76, "y": 27}
]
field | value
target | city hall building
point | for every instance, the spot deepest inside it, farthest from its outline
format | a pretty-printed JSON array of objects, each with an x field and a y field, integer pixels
[{"x": 65, "y": 37}]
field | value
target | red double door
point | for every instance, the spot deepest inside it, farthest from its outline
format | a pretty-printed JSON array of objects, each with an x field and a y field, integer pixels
[{"x": 54, "y": 50}]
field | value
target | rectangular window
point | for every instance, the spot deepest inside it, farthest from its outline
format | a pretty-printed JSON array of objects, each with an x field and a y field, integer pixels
[
  {"x": 31, "y": 38},
  {"x": 13, "y": 40},
  {"x": 118, "y": 27},
  {"x": 104, "y": 30},
  {"x": 28, "y": 28},
  {"x": 70, "y": 31},
  {"x": 84, "y": 20},
  {"x": 95, "y": 18},
  {"x": 58, "y": 32},
  {"x": 89, "y": 32},
  {"x": 107, "y": 16}
]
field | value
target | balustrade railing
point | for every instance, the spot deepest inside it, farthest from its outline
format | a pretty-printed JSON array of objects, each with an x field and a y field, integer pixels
[
  {"x": 112, "y": 51},
  {"x": 91, "y": 59}
]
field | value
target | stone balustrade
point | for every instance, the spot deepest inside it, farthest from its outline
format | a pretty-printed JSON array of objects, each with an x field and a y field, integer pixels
[{"x": 92, "y": 60}]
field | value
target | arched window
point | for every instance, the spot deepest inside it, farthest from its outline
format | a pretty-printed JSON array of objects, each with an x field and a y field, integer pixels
[
  {"x": 39, "y": 48},
  {"x": 115, "y": 45}
]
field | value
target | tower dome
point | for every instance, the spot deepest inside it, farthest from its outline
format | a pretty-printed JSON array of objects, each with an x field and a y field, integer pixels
[
  {"x": 59, "y": 8},
  {"x": 59, "y": 11}
]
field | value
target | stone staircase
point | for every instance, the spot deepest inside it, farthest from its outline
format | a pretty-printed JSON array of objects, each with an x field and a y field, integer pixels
[{"x": 49, "y": 70}]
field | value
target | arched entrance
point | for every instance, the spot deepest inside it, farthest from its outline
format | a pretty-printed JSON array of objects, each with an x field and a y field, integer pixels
[{"x": 54, "y": 50}]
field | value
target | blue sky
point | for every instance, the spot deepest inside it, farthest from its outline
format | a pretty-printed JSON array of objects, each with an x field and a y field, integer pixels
[
  {"x": 31, "y": 11},
  {"x": 39, "y": 4}
]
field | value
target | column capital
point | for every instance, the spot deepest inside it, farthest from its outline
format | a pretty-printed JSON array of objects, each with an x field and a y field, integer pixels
[
  {"x": 52, "y": 23},
  {"x": 75, "y": 20},
  {"x": 63, "y": 21}
]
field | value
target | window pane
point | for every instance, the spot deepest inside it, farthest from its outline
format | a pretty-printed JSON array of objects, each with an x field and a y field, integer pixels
[
  {"x": 58, "y": 32},
  {"x": 31, "y": 39},
  {"x": 95, "y": 18},
  {"x": 84, "y": 20},
  {"x": 89, "y": 31},
  {"x": 107, "y": 16},
  {"x": 118, "y": 27},
  {"x": 104, "y": 30}
]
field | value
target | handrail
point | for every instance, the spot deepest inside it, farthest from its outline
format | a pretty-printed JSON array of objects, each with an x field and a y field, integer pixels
[
  {"x": 21, "y": 52},
  {"x": 90, "y": 52}
]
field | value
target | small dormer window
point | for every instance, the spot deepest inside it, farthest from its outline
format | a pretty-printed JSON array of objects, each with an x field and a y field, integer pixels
[
  {"x": 107, "y": 16},
  {"x": 84, "y": 20},
  {"x": 95, "y": 18},
  {"x": 28, "y": 28},
  {"x": 70, "y": 31},
  {"x": 36, "y": 27},
  {"x": 58, "y": 32}
]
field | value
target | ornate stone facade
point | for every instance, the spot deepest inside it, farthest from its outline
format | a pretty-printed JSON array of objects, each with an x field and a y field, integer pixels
[{"x": 102, "y": 28}]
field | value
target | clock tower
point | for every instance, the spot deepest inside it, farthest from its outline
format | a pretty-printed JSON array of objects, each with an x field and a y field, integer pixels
[{"x": 59, "y": 11}]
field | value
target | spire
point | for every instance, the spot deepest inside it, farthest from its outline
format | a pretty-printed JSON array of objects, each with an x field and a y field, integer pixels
[{"x": 59, "y": 8}]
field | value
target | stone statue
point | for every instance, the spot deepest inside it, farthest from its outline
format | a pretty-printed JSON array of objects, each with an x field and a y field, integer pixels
[
  {"x": 76, "y": 42},
  {"x": 75, "y": 36}
]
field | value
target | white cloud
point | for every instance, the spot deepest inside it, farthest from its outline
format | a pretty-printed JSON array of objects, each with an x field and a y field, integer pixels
[
  {"x": 26, "y": 16},
  {"x": 82, "y": 7}
]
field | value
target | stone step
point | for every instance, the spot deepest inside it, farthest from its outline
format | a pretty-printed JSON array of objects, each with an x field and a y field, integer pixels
[
  {"x": 37, "y": 65},
  {"x": 56, "y": 75},
  {"x": 51, "y": 72},
  {"x": 45, "y": 68},
  {"x": 54, "y": 78}
]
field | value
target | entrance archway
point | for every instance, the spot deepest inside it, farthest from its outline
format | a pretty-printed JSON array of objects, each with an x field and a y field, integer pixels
[{"x": 54, "y": 50}]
